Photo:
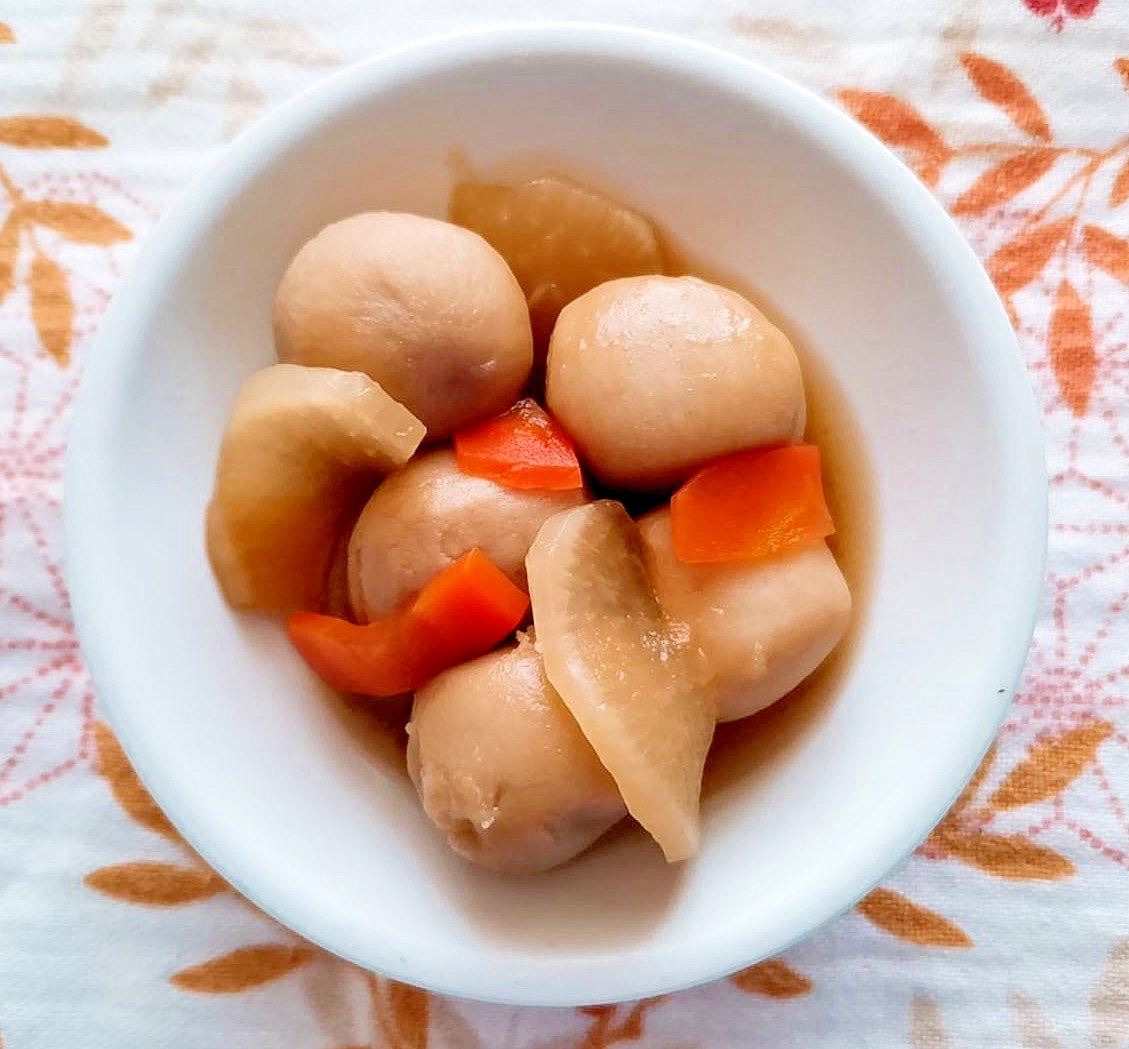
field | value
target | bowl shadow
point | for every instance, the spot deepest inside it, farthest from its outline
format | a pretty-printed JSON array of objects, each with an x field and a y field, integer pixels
[{"x": 587, "y": 904}]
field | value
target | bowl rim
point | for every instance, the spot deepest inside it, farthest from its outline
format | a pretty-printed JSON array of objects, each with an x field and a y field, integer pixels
[{"x": 89, "y": 468}]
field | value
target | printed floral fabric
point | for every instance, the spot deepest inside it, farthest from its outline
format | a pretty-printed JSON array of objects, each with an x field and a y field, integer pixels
[{"x": 1009, "y": 927}]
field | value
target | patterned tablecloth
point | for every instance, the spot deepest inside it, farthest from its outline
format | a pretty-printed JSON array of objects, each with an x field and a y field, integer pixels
[{"x": 1009, "y": 927}]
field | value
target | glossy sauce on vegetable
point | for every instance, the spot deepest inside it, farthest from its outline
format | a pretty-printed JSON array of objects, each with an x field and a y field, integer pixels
[
  {"x": 747, "y": 750},
  {"x": 752, "y": 747}
]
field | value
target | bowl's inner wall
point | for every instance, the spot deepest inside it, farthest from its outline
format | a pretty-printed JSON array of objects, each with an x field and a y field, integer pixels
[{"x": 261, "y": 771}]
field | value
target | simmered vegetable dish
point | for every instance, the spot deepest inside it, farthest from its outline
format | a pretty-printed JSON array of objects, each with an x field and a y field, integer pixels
[{"x": 435, "y": 487}]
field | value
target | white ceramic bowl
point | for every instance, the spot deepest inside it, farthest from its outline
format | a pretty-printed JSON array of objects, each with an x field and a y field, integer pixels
[{"x": 746, "y": 170}]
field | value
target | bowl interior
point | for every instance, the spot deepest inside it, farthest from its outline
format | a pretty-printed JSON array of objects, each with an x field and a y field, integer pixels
[{"x": 271, "y": 782}]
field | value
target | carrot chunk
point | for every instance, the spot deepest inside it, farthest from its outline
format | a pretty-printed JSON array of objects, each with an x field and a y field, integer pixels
[
  {"x": 382, "y": 658},
  {"x": 470, "y": 606},
  {"x": 750, "y": 505},
  {"x": 524, "y": 448},
  {"x": 463, "y": 612}
]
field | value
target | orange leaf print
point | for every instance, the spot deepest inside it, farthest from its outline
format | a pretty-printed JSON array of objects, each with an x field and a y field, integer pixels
[
  {"x": 188, "y": 60},
  {"x": 899, "y": 125},
  {"x": 1107, "y": 252},
  {"x": 632, "y": 1025},
  {"x": 1023, "y": 258},
  {"x": 52, "y": 308},
  {"x": 245, "y": 101},
  {"x": 927, "y": 1025},
  {"x": 602, "y": 1014},
  {"x": 49, "y": 132},
  {"x": 1051, "y": 765},
  {"x": 773, "y": 979},
  {"x": 612, "y": 1026},
  {"x": 155, "y": 884},
  {"x": 283, "y": 41},
  {"x": 1000, "y": 86},
  {"x": 600, "y": 1034},
  {"x": 450, "y": 1028},
  {"x": 1012, "y": 856},
  {"x": 891, "y": 912},
  {"x": 1070, "y": 343},
  {"x": 6, "y": 34},
  {"x": 403, "y": 1013},
  {"x": 1031, "y": 1023},
  {"x": 1110, "y": 1003},
  {"x": 127, "y": 788},
  {"x": 1122, "y": 66},
  {"x": 9, "y": 252},
  {"x": 82, "y": 223},
  {"x": 242, "y": 969},
  {"x": 1119, "y": 194},
  {"x": 1006, "y": 180}
]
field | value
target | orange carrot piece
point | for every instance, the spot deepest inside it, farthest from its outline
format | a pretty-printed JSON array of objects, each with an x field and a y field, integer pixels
[
  {"x": 524, "y": 448},
  {"x": 383, "y": 658},
  {"x": 461, "y": 613},
  {"x": 470, "y": 606},
  {"x": 751, "y": 505}
]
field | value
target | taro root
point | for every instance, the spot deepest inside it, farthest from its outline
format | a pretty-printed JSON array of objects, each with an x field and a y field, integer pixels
[
  {"x": 762, "y": 626},
  {"x": 425, "y": 308},
  {"x": 655, "y": 376},
  {"x": 502, "y": 768},
  {"x": 425, "y": 516}
]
